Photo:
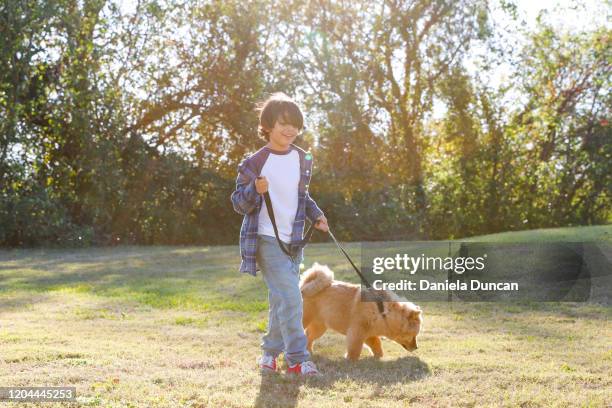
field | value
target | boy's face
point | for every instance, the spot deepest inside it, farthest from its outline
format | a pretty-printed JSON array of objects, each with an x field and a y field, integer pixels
[{"x": 283, "y": 133}]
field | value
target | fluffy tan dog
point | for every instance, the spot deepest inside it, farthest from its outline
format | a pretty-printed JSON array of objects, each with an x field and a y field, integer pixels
[{"x": 336, "y": 305}]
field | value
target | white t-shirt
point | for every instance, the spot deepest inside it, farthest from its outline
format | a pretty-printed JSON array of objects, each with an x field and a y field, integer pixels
[{"x": 283, "y": 174}]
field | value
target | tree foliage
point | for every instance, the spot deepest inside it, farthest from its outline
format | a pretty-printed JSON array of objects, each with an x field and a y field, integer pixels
[{"x": 126, "y": 123}]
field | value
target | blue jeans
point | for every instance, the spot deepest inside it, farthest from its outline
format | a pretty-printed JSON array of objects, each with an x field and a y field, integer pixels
[{"x": 282, "y": 276}]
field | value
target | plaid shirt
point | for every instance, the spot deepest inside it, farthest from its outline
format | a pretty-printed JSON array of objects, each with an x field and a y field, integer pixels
[{"x": 248, "y": 202}]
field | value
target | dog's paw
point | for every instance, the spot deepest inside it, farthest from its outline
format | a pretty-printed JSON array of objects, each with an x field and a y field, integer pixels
[{"x": 352, "y": 358}]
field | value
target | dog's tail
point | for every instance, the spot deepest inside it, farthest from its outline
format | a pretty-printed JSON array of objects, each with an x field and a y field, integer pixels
[{"x": 316, "y": 279}]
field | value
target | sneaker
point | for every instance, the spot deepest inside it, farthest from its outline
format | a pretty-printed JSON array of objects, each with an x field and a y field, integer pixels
[
  {"x": 305, "y": 368},
  {"x": 267, "y": 363}
]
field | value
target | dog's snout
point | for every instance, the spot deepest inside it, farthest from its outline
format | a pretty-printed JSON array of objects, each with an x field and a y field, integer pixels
[{"x": 411, "y": 346}]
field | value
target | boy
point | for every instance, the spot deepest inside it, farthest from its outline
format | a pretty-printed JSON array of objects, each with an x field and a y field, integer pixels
[{"x": 283, "y": 170}]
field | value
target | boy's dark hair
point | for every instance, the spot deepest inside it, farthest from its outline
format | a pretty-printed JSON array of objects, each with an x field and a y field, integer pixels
[{"x": 278, "y": 105}]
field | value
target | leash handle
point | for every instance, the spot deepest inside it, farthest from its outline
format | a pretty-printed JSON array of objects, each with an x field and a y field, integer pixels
[{"x": 271, "y": 214}]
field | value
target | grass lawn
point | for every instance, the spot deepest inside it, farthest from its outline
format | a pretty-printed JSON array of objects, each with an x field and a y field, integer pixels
[{"x": 180, "y": 327}]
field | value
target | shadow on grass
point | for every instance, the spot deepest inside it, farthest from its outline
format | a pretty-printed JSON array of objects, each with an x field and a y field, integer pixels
[
  {"x": 520, "y": 316},
  {"x": 19, "y": 301},
  {"x": 282, "y": 390},
  {"x": 192, "y": 278},
  {"x": 186, "y": 278}
]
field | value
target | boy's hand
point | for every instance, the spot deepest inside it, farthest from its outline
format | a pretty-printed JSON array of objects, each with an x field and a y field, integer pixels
[
  {"x": 261, "y": 184},
  {"x": 321, "y": 224}
]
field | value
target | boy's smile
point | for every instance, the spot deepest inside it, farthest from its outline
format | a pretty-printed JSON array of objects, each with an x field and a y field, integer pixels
[{"x": 282, "y": 134}]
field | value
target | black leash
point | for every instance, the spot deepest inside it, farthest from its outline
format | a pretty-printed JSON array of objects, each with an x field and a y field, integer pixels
[
  {"x": 287, "y": 251},
  {"x": 282, "y": 245},
  {"x": 379, "y": 304}
]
